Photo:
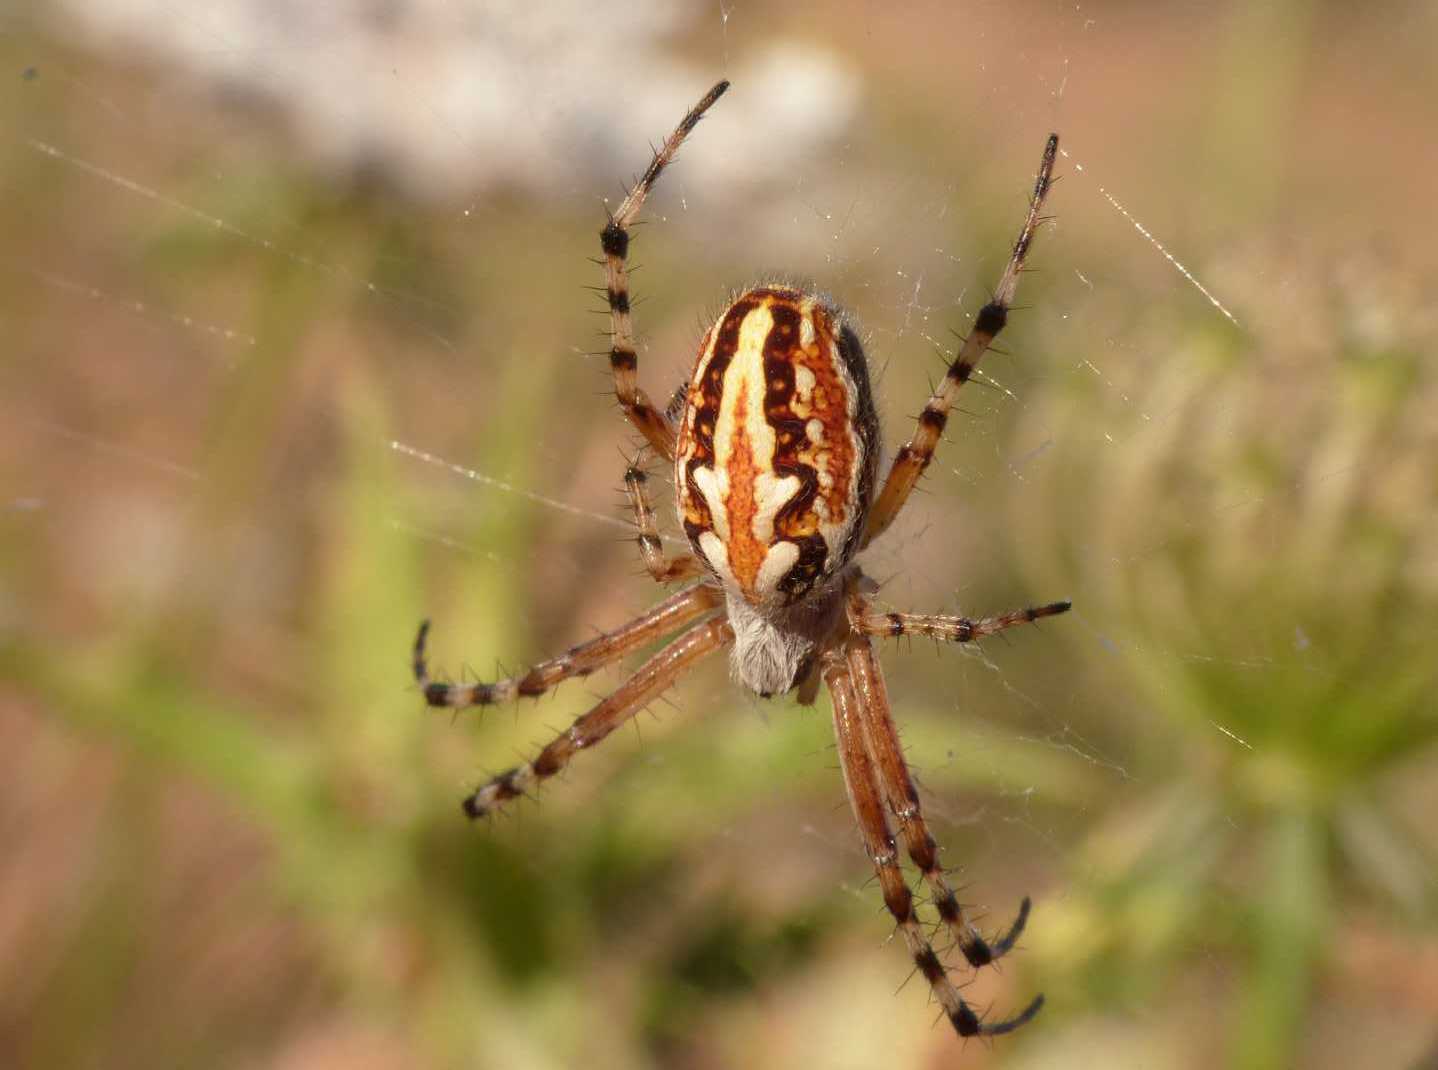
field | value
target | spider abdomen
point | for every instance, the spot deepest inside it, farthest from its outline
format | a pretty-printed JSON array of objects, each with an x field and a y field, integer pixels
[{"x": 774, "y": 467}]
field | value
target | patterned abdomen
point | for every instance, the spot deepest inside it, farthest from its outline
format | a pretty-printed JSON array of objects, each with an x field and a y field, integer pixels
[{"x": 777, "y": 446}]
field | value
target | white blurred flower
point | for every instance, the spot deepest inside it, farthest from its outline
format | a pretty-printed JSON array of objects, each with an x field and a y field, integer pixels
[{"x": 449, "y": 99}]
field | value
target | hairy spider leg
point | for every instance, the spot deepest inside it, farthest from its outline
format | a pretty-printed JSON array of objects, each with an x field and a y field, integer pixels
[
  {"x": 865, "y": 798},
  {"x": 945, "y": 629},
  {"x": 651, "y": 680},
  {"x": 881, "y": 738},
  {"x": 668, "y": 616},
  {"x": 662, "y": 568},
  {"x": 654, "y": 425},
  {"x": 914, "y": 457}
]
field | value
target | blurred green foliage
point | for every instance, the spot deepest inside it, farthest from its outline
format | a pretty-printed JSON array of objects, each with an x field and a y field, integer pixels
[{"x": 1279, "y": 616}]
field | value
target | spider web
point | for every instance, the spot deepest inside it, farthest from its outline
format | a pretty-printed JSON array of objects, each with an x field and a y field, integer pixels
[{"x": 486, "y": 146}]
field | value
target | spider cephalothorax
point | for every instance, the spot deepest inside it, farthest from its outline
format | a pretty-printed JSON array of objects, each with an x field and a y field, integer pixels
[{"x": 775, "y": 459}]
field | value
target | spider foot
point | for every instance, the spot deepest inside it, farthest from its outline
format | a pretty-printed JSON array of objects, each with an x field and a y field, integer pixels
[
  {"x": 489, "y": 796},
  {"x": 981, "y": 952},
  {"x": 1005, "y": 944},
  {"x": 445, "y": 695},
  {"x": 969, "y": 1024},
  {"x": 421, "y": 666},
  {"x": 435, "y": 692}
]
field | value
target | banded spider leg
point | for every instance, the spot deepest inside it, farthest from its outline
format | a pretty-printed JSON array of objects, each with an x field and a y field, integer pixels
[
  {"x": 914, "y": 457},
  {"x": 668, "y": 616},
  {"x": 882, "y": 740},
  {"x": 866, "y": 797},
  {"x": 656, "y": 426},
  {"x": 651, "y": 680}
]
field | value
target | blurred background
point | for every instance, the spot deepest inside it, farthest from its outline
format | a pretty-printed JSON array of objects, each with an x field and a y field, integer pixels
[{"x": 296, "y": 351}]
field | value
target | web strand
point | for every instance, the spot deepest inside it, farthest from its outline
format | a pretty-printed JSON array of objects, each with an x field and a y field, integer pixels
[{"x": 1148, "y": 236}]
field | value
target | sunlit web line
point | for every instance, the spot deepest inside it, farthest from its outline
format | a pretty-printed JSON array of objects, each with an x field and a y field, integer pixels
[
  {"x": 439, "y": 539},
  {"x": 140, "y": 308},
  {"x": 510, "y": 488},
  {"x": 1231, "y": 735},
  {"x": 1083, "y": 748},
  {"x": 114, "y": 449},
  {"x": 139, "y": 189},
  {"x": 1178, "y": 264}
]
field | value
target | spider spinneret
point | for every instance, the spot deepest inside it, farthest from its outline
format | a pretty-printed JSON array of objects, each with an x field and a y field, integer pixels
[{"x": 775, "y": 458}]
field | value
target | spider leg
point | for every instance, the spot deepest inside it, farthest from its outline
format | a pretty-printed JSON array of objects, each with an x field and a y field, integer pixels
[
  {"x": 675, "y": 408},
  {"x": 881, "y": 738},
  {"x": 663, "y": 569},
  {"x": 652, "y": 678},
  {"x": 654, "y": 425},
  {"x": 913, "y": 458},
  {"x": 672, "y": 613},
  {"x": 861, "y": 782},
  {"x": 945, "y": 628}
]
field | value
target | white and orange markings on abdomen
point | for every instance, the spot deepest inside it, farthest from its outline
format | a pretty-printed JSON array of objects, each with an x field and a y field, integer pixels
[{"x": 775, "y": 460}]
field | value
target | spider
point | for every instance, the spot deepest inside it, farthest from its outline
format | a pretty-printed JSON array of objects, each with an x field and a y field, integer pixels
[{"x": 775, "y": 446}]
